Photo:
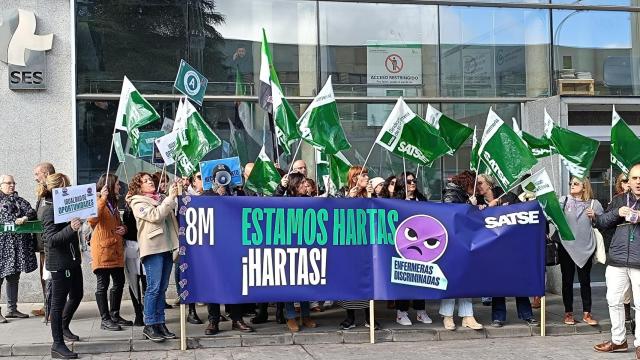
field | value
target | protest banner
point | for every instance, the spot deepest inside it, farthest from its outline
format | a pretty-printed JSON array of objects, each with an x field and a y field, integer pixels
[
  {"x": 74, "y": 202},
  {"x": 29, "y": 227},
  {"x": 263, "y": 249},
  {"x": 207, "y": 168}
]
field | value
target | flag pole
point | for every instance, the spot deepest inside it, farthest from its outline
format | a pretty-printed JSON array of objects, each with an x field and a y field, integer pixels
[
  {"x": 404, "y": 173},
  {"x": 372, "y": 322},
  {"x": 294, "y": 157},
  {"x": 610, "y": 182},
  {"x": 518, "y": 184},
  {"x": 365, "y": 160},
  {"x": 543, "y": 317},
  {"x": 111, "y": 150},
  {"x": 274, "y": 140}
]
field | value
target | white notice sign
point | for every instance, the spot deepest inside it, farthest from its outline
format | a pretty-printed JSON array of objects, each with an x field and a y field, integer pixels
[
  {"x": 74, "y": 202},
  {"x": 394, "y": 64}
]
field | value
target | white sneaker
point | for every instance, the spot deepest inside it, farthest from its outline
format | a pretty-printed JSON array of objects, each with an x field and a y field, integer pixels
[
  {"x": 403, "y": 318},
  {"x": 423, "y": 317}
]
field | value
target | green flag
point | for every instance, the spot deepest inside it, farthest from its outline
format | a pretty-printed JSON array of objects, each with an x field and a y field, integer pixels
[
  {"x": 453, "y": 133},
  {"x": 29, "y": 227},
  {"x": 540, "y": 184},
  {"x": 576, "y": 151},
  {"x": 406, "y": 134},
  {"x": 504, "y": 154},
  {"x": 540, "y": 148},
  {"x": 194, "y": 141},
  {"x": 625, "y": 145},
  {"x": 133, "y": 113},
  {"x": 320, "y": 123},
  {"x": 272, "y": 99},
  {"x": 264, "y": 177},
  {"x": 332, "y": 170}
]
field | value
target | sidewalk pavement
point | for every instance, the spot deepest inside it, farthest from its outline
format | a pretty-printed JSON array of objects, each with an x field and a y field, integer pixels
[{"x": 23, "y": 337}]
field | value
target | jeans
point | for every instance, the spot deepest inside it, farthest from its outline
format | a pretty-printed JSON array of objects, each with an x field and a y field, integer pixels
[
  {"x": 499, "y": 308},
  {"x": 619, "y": 280},
  {"x": 465, "y": 307},
  {"x": 568, "y": 269},
  {"x": 290, "y": 310},
  {"x": 12, "y": 291},
  {"x": 64, "y": 283},
  {"x": 158, "y": 269}
]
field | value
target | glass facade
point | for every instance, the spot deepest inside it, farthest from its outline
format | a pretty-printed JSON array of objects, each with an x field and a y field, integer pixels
[{"x": 445, "y": 54}]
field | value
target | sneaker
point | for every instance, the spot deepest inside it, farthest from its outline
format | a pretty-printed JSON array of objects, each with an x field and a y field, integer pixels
[
  {"x": 376, "y": 325},
  {"x": 347, "y": 324},
  {"x": 423, "y": 317},
  {"x": 152, "y": 333},
  {"x": 486, "y": 301},
  {"x": 15, "y": 315},
  {"x": 568, "y": 319},
  {"x": 471, "y": 323},
  {"x": 448, "y": 323},
  {"x": 497, "y": 323},
  {"x": 402, "y": 318},
  {"x": 532, "y": 322},
  {"x": 587, "y": 318}
]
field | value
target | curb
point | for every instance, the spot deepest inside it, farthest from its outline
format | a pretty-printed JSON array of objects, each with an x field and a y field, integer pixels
[{"x": 305, "y": 338}]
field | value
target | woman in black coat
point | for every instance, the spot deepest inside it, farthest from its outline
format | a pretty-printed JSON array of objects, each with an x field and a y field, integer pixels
[{"x": 62, "y": 248}]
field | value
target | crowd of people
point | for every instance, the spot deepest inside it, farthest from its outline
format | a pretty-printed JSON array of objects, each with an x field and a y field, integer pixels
[{"x": 138, "y": 243}]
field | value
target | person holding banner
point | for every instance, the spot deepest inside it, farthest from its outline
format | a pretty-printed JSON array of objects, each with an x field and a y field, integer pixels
[
  {"x": 489, "y": 195},
  {"x": 580, "y": 208},
  {"x": 411, "y": 192},
  {"x": 458, "y": 190},
  {"x": 107, "y": 253},
  {"x": 623, "y": 262},
  {"x": 157, "y": 240},
  {"x": 297, "y": 187},
  {"x": 358, "y": 186},
  {"x": 62, "y": 248},
  {"x": 16, "y": 251}
]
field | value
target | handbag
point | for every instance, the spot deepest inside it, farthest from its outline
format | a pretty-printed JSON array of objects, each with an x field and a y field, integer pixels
[
  {"x": 600, "y": 255},
  {"x": 552, "y": 256}
]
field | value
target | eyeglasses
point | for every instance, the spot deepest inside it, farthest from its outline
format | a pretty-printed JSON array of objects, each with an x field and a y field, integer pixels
[
  {"x": 412, "y": 181},
  {"x": 199, "y": 177},
  {"x": 625, "y": 181},
  {"x": 9, "y": 182},
  {"x": 575, "y": 183}
]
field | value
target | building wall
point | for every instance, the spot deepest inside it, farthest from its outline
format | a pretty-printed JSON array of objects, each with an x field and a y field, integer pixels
[{"x": 38, "y": 125}]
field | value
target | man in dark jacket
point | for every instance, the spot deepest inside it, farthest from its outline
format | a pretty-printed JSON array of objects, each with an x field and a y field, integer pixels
[{"x": 623, "y": 269}]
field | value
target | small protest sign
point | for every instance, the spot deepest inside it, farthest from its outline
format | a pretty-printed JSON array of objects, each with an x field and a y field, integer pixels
[
  {"x": 74, "y": 202},
  {"x": 207, "y": 168}
]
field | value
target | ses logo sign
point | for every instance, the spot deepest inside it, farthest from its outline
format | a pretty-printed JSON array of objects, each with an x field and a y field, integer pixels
[{"x": 23, "y": 50}]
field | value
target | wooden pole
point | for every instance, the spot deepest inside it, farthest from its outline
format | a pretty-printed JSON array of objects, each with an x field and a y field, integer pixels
[
  {"x": 543, "y": 317},
  {"x": 372, "y": 322},
  {"x": 183, "y": 327}
]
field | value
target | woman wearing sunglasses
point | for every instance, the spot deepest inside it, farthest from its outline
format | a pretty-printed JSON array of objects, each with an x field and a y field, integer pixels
[{"x": 580, "y": 208}]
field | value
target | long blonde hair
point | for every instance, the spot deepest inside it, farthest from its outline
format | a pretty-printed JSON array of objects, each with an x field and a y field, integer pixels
[
  {"x": 587, "y": 190},
  {"x": 53, "y": 181}
]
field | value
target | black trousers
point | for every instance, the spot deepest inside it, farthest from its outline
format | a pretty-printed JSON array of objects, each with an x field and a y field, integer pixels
[
  {"x": 64, "y": 283},
  {"x": 235, "y": 311},
  {"x": 103, "y": 277},
  {"x": 568, "y": 270},
  {"x": 403, "y": 305}
]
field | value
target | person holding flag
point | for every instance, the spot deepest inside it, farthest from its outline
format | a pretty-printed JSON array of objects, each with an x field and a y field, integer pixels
[
  {"x": 623, "y": 262},
  {"x": 580, "y": 208}
]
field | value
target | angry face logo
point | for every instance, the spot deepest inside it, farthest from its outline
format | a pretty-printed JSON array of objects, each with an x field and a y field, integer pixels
[{"x": 421, "y": 238}]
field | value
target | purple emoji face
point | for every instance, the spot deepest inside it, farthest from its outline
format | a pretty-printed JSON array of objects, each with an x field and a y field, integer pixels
[{"x": 421, "y": 238}]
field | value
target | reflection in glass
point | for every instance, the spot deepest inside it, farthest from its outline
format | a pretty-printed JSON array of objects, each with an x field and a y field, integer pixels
[
  {"x": 494, "y": 52},
  {"x": 379, "y": 50},
  {"x": 590, "y": 61}
]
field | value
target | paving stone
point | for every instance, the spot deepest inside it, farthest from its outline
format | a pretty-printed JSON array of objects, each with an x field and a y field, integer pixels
[
  {"x": 510, "y": 331},
  {"x": 461, "y": 334},
  {"x": 5, "y": 350},
  {"x": 310, "y": 338},
  {"x": 360, "y": 337},
  {"x": 415, "y": 335},
  {"x": 148, "y": 345},
  {"x": 220, "y": 341},
  {"x": 260, "y": 340},
  {"x": 31, "y": 349},
  {"x": 99, "y": 347},
  {"x": 559, "y": 329}
]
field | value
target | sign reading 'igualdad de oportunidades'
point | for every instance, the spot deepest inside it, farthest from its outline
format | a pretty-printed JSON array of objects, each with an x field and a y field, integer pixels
[{"x": 22, "y": 50}]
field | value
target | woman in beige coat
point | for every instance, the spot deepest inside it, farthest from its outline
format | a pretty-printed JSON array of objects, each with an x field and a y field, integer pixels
[{"x": 157, "y": 239}]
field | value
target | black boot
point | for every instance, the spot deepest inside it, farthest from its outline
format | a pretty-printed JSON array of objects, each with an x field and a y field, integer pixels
[
  {"x": 262, "y": 316},
  {"x": 103, "y": 307},
  {"x": 61, "y": 351},
  {"x": 162, "y": 328},
  {"x": 66, "y": 332},
  {"x": 137, "y": 308},
  {"x": 280, "y": 319},
  {"x": 115, "y": 298},
  {"x": 193, "y": 318},
  {"x": 152, "y": 333}
]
